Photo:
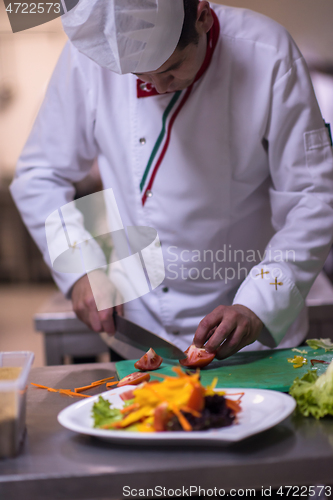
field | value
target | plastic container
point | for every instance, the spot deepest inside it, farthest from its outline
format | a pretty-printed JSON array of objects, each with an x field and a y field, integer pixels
[{"x": 13, "y": 399}]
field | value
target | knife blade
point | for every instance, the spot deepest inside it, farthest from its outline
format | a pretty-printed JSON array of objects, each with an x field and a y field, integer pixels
[{"x": 143, "y": 339}]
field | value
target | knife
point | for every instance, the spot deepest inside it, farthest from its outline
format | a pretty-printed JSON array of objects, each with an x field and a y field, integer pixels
[{"x": 143, "y": 339}]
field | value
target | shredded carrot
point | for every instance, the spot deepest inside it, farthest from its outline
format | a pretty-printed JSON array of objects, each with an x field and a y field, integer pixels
[
  {"x": 240, "y": 397},
  {"x": 93, "y": 384},
  {"x": 241, "y": 394},
  {"x": 195, "y": 413},
  {"x": 70, "y": 393},
  {"x": 50, "y": 389},
  {"x": 130, "y": 408},
  {"x": 110, "y": 384},
  {"x": 233, "y": 405},
  {"x": 98, "y": 382},
  {"x": 182, "y": 420},
  {"x": 86, "y": 387}
]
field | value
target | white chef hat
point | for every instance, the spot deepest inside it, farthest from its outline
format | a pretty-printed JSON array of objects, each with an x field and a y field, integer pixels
[{"x": 126, "y": 36}]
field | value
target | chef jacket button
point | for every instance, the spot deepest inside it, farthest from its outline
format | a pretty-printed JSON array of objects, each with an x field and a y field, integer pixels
[
  {"x": 142, "y": 140},
  {"x": 176, "y": 332},
  {"x": 165, "y": 289},
  {"x": 149, "y": 194},
  {"x": 146, "y": 87}
]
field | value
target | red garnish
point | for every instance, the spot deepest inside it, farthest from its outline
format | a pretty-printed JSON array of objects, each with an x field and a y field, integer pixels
[
  {"x": 135, "y": 378},
  {"x": 314, "y": 361},
  {"x": 197, "y": 357},
  {"x": 149, "y": 361}
]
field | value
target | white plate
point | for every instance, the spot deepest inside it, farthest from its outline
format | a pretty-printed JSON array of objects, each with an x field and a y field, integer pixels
[{"x": 261, "y": 410}]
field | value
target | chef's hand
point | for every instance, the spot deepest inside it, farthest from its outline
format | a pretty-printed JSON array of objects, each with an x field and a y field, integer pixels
[
  {"x": 84, "y": 304},
  {"x": 228, "y": 329}
]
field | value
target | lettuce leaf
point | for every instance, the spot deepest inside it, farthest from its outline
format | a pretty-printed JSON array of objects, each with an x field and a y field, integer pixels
[
  {"x": 103, "y": 414},
  {"x": 313, "y": 394},
  {"x": 320, "y": 344}
]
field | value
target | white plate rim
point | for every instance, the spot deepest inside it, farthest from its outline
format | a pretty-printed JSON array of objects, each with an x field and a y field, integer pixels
[{"x": 230, "y": 434}]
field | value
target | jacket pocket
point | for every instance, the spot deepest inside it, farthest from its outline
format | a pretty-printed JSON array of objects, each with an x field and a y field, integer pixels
[{"x": 318, "y": 151}]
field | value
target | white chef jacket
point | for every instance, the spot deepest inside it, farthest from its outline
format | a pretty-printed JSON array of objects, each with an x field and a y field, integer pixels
[{"x": 247, "y": 169}]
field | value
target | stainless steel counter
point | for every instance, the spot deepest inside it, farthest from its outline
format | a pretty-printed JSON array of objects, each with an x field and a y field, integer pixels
[{"x": 57, "y": 464}]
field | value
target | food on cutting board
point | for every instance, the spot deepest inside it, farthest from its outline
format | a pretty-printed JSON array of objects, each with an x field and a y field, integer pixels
[
  {"x": 297, "y": 361},
  {"x": 197, "y": 357},
  {"x": 318, "y": 361},
  {"x": 313, "y": 393},
  {"x": 149, "y": 361},
  {"x": 326, "y": 344},
  {"x": 134, "y": 379},
  {"x": 173, "y": 404}
]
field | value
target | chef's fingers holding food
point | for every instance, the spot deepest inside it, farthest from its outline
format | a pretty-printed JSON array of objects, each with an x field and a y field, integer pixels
[
  {"x": 84, "y": 303},
  {"x": 227, "y": 329}
]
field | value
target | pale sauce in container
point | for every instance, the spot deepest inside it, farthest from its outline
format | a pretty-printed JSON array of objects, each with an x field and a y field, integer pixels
[
  {"x": 8, "y": 411},
  {"x": 10, "y": 372}
]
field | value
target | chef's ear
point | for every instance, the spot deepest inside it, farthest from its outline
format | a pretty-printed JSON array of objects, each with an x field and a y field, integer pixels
[{"x": 204, "y": 17}]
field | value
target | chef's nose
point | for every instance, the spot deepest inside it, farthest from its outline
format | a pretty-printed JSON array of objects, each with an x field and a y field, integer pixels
[{"x": 162, "y": 82}]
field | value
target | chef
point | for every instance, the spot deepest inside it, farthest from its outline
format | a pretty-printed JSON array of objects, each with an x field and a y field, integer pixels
[{"x": 206, "y": 128}]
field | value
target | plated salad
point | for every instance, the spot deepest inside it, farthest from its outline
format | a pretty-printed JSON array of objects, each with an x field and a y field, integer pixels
[{"x": 178, "y": 403}]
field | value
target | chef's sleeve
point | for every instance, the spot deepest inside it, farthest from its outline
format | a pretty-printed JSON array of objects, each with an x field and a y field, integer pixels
[
  {"x": 59, "y": 152},
  {"x": 301, "y": 197}
]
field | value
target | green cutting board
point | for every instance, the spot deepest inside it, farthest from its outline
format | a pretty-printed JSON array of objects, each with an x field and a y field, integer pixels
[{"x": 257, "y": 369}]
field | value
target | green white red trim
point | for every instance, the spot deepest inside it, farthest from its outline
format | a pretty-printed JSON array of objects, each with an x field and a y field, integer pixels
[
  {"x": 166, "y": 131},
  {"x": 159, "y": 139}
]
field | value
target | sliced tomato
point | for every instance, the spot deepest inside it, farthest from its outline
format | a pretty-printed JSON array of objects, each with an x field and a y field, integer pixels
[
  {"x": 161, "y": 417},
  {"x": 149, "y": 361},
  {"x": 126, "y": 396},
  {"x": 197, "y": 398},
  {"x": 197, "y": 357},
  {"x": 135, "y": 378}
]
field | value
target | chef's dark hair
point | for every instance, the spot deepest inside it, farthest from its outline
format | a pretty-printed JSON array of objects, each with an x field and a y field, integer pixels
[{"x": 189, "y": 34}]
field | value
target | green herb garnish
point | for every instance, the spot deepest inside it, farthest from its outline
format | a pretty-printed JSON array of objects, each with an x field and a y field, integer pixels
[
  {"x": 313, "y": 394},
  {"x": 103, "y": 414}
]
